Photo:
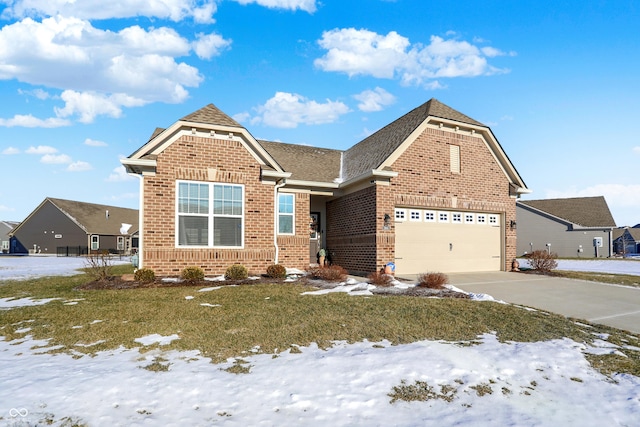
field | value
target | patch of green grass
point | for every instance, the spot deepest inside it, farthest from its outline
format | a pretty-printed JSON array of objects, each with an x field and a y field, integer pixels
[
  {"x": 264, "y": 318},
  {"x": 616, "y": 279}
]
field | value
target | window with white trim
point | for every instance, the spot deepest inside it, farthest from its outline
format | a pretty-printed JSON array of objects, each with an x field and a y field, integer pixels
[
  {"x": 456, "y": 217},
  {"x": 209, "y": 215},
  {"x": 415, "y": 216},
  {"x": 286, "y": 213},
  {"x": 481, "y": 219},
  {"x": 454, "y": 158},
  {"x": 493, "y": 219},
  {"x": 400, "y": 214},
  {"x": 468, "y": 218},
  {"x": 429, "y": 216},
  {"x": 443, "y": 216}
]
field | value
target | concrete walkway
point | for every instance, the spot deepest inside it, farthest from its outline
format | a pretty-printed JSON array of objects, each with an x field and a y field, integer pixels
[{"x": 611, "y": 305}]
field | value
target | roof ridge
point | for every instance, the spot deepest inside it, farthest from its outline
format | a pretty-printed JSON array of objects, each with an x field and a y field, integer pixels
[{"x": 212, "y": 115}]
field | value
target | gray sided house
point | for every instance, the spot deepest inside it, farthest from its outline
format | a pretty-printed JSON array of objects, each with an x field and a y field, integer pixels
[
  {"x": 66, "y": 227},
  {"x": 626, "y": 240},
  {"x": 579, "y": 227},
  {"x": 5, "y": 229}
]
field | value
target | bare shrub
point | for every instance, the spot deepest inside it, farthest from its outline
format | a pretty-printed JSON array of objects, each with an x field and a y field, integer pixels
[
  {"x": 99, "y": 265},
  {"x": 432, "y": 280},
  {"x": 332, "y": 273},
  {"x": 380, "y": 279},
  {"x": 192, "y": 274},
  {"x": 543, "y": 261},
  {"x": 277, "y": 271}
]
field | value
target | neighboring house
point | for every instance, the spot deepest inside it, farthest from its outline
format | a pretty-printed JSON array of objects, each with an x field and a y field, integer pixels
[
  {"x": 432, "y": 191},
  {"x": 5, "y": 229},
  {"x": 571, "y": 227},
  {"x": 626, "y": 240},
  {"x": 66, "y": 227}
]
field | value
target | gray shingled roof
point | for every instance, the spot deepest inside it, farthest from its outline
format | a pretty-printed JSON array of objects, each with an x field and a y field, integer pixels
[
  {"x": 584, "y": 211},
  {"x": 92, "y": 217},
  {"x": 211, "y": 115},
  {"x": 304, "y": 162},
  {"x": 372, "y": 151},
  {"x": 634, "y": 231}
]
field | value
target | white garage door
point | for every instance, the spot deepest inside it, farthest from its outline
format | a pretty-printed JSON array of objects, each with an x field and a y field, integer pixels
[{"x": 447, "y": 241}]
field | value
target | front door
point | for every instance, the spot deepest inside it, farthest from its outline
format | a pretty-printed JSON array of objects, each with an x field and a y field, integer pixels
[{"x": 314, "y": 237}]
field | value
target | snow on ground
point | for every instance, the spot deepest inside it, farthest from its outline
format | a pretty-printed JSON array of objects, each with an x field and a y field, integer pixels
[
  {"x": 33, "y": 266},
  {"x": 614, "y": 266},
  {"x": 533, "y": 384},
  {"x": 523, "y": 384}
]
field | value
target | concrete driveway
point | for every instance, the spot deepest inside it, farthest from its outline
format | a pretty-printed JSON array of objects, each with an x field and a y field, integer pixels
[{"x": 610, "y": 305}]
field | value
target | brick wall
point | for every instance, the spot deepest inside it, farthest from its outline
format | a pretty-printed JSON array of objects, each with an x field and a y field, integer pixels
[
  {"x": 215, "y": 160},
  {"x": 425, "y": 180},
  {"x": 355, "y": 222}
]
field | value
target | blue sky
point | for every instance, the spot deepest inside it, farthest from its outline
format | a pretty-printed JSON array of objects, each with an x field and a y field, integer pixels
[{"x": 85, "y": 83}]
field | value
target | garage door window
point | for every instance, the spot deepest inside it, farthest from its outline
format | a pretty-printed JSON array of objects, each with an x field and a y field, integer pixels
[
  {"x": 429, "y": 216},
  {"x": 415, "y": 216},
  {"x": 443, "y": 216},
  {"x": 456, "y": 218},
  {"x": 481, "y": 219},
  {"x": 401, "y": 214}
]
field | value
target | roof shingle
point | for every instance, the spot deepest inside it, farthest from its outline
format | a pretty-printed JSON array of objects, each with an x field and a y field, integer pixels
[
  {"x": 584, "y": 211},
  {"x": 372, "y": 151}
]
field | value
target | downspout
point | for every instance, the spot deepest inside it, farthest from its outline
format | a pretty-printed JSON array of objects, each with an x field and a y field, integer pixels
[{"x": 283, "y": 182}]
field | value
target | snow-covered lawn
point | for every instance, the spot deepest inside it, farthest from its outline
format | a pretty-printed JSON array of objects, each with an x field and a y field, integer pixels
[
  {"x": 33, "y": 266},
  {"x": 614, "y": 266},
  {"x": 489, "y": 383}
]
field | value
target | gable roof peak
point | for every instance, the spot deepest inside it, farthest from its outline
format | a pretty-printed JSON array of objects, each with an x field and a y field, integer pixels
[
  {"x": 211, "y": 115},
  {"x": 435, "y": 108}
]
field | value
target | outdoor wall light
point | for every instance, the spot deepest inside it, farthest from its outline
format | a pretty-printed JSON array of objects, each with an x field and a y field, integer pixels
[
  {"x": 513, "y": 224},
  {"x": 387, "y": 221}
]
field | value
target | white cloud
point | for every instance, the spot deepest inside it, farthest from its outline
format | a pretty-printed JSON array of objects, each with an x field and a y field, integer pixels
[
  {"x": 79, "y": 166},
  {"x": 363, "y": 52},
  {"x": 209, "y": 45},
  {"x": 374, "y": 100},
  {"x": 636, "y": 150},
  {"x": 119, "y": 174},
  {"x": 175, "y": 10},
  {"x": 130, "y": 67},
  {"x": 10, "y": 150},
  {"x": 93, "y": 143},
  {"x": 28, "y": 121},
  {"x": 36, "y": 93},
  {"x": 55, "y": 159},
  {"x": 41, "y": 149},
  {"x": 241, "y": 117},
  {"x": 288, "y": 110},
  {"x": 306, "y": 5}
]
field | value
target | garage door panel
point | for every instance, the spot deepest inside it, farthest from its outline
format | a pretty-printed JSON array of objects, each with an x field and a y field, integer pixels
[{"x": 445, "y": 247}]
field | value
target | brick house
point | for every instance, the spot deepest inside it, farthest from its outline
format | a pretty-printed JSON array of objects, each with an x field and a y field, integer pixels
[{"x": 431, "y": 191}]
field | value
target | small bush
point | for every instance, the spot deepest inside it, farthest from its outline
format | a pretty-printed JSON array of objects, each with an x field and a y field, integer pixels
[
  {"x": 543, "y": 261},
  {"x": 277, "y": 271},
  {"x": 236, "y": 272},
  {"x": 144, "y": 275},
  {"x": 192, "y": 274},
  {"x": 332, "y": 273},
  {"x": 98, "y": 265},
  {"x": 432, "y": 280},
  {"x": 380, "y": 279}
]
